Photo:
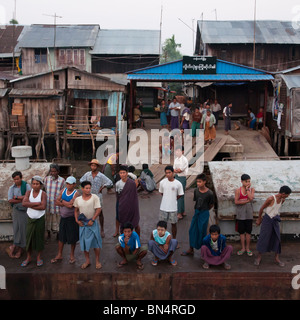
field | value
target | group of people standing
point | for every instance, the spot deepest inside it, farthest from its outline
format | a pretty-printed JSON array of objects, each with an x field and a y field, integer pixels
[
  {"x": 204, "y": 116},
  {"x": 54, "y": 204}
]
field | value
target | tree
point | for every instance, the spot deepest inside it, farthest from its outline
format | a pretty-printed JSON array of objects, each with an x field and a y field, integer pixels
[
  {"x": 170, "y": 51},
  {"x": 13, "y": 21}
]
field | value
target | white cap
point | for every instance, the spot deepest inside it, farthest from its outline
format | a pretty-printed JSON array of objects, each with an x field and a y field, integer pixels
[{"x": 71, "y": 180}]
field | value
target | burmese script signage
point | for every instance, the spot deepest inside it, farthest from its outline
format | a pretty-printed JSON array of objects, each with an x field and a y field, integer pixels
[{"x": 199, "y": 65}]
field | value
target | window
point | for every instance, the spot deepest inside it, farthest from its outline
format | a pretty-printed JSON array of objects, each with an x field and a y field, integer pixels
[
  {"x": 77, "y": 77},
  {"x": 40, "y": 55},
  {"x": 62, "y": 56},
  {"x": 71, "y": 56},
  {"x": 56, "y": 77},
  {"x": 82, "y": 57},
  {"x": 75, "y": 52}
]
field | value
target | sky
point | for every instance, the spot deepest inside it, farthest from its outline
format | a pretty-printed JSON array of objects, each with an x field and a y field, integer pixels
[{"x": 179, "y": 17}]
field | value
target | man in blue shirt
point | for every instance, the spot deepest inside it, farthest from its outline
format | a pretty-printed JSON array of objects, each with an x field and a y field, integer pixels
[{"x": 129, "y": 247}]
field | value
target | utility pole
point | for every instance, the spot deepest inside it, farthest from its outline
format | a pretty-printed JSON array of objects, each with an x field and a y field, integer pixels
[
  {"x": 192, "y": 28},
  {"x": 160, "y": 28},
  {"x": 254, "y": 25},
  {"x": 14, "y": 31},
  {"x": 54, "y": 38}
]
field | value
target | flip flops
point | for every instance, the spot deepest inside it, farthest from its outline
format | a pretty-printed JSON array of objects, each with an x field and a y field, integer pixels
[
  {"x": 154, "y": 262},
  {"x": 173, "y": 262},
  {"x": 39, "y": 263},
  {"x": 187, "y": 253},
  {"x": 25, "y": 263},
  {"x": 140, "y": 266}
]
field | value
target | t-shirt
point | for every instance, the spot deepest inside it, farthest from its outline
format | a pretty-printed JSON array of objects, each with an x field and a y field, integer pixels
[
  {"x": 181, "y": 163},
  {"x": 133, "y": 242},
  {"x": 87, "y": 207},
  {"x": 120, "y": 186},
  {"x": 174, "y": 112},
  {"x": 203, "y": 201},
  {"x": 170, "y": 191}
]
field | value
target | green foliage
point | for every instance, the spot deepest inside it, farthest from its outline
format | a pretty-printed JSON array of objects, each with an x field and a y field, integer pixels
[{"x": 170, "y": 51}]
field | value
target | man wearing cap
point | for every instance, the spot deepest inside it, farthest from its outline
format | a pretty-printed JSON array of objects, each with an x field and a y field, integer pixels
[
  {"x": 99, "y": 181},
  {"x": 53, "y": 185},
  {"x": 68, "y": 227}
]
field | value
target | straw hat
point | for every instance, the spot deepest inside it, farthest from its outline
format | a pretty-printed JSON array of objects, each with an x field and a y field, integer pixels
[{"x": 95, "y": 161}]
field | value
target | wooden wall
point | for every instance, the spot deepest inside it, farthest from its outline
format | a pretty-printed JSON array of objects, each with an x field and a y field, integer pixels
[
  {"x": 45, "y": 81},
  {"x": 38, "y": 111},
  {"x": 82, "y": 80},
  {"x": 269, "y": 57}
]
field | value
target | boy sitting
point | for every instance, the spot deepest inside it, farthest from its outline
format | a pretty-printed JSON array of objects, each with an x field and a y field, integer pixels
[
  {"x": 162, "y": 245},
  {"x": 129, "y": 247},
  {"x": 214, "y": 250}
]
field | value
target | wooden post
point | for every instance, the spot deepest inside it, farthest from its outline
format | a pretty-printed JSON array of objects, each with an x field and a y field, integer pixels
[
  {"x": 92, "y": 137},
  {"x": 286, "y": 146},
  {"x": 266, "y": 103},
  {"x": 65, "y": 132},
  {"x": 132, "y": 101},
  {"x": 57, "y": 137}
]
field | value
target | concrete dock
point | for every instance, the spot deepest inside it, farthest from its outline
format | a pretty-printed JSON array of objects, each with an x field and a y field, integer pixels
[{"x": 187, "y": 281}]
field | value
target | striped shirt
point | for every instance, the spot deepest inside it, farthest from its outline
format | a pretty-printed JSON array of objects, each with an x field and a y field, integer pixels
[{"x": 53, "y": 188}]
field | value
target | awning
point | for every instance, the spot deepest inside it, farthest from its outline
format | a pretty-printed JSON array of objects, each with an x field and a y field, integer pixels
[
  {"x": 224, "y": 72},
  {"x": 35, "y": 93},
  {"x": 3, "y": 92}
]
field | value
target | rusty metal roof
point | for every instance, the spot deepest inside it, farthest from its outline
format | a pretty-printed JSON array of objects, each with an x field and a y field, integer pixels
[
  {"x": 266, "y": 31},
  {"x": 9, "y": 35},
  {"x": 35, "y": 93}
]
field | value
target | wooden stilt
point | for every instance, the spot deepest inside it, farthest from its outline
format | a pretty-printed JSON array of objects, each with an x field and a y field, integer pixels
[
  {"x": 286, "y": 146},
  {"x": 57, "y": 137}
]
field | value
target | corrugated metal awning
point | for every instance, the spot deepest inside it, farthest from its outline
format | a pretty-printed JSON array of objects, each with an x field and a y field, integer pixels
[
  {"x": 3, "y": 92},
  {"x": 35, "y": 93},
  {"x": 292, "y": 81}
]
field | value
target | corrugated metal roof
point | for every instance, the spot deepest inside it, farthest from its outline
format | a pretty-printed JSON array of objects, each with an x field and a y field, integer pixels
[
  {"x": 3, "y": 92},
  {"x": 35, "y": 93},
  {"x": 198, "y": 77},
  {"x": 226, "y": 71},
  {"x": 266, "y": 31},
  {"x": 292, "y": 81},
  {"x": 42, "y": 36},
  {"x": 127, "y": 42},
  {"x": 8, "y": 38}
]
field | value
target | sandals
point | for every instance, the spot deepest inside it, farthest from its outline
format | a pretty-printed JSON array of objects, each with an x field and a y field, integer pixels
[
  {"x": 140, "y": 266},
  {"x": 39, "y": 263},
  {"x": 121, "y": 265},
  {"x": 25, "y": 263},
  {"x": 154, "y": 262},
  {"x": 241, "y": 252},
  {"x": 85, "y": 265},
  {"x": 187, "y": 253},
  {"x": 173, "y": 262},
  {"x": 55, "y": 260}
]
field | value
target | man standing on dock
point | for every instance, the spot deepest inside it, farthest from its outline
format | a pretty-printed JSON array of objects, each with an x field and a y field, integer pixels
[
  {"x": 227, "y": 112},
  {"x": 174, "y": 107},
  {"x": 98, "y": 181},
  {"x": 53, "y": 185}
]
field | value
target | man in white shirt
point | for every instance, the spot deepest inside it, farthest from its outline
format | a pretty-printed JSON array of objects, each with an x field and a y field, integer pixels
[
  {"x": 175, "y": 108},
  {"x": 171, "y": 190},
  {"x": 227, "y": 112},
  {"x": 216, "y": 108},
  {"x": 181, "y": 168}
]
